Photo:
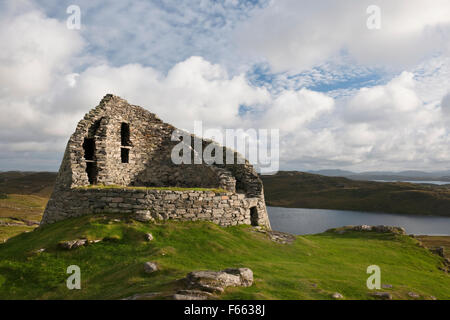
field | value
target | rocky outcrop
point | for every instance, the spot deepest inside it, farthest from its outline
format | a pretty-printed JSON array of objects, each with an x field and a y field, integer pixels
[
  {"x": 381, "y": 295},
  {"x": 143, "y": 296},
  {"x": 149, "y": 237},
  {"x": 364, "y": 228},
  {"x": 337, "y": 296},
  {"x": 150, "y": 267},
  {"x": 439, "y": 251},
  {"x": 276, "y": 236},
  {"x": 201, "y": 285},
  {"x": 192, "y": 295},
  {"x": 74, "y": 244}
]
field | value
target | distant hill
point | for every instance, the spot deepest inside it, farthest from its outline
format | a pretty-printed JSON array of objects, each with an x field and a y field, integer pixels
[
  {"x": 297, "y": 190},
  {"x": 408, "y": 175},
  {"x": 32, "y": 183},
  {"x": 305, "y": 190}
]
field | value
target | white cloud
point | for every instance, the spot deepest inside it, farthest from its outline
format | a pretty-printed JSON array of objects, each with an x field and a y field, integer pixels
[
  {"x": 298, "y": 34},
  {"x": 396, "y": 125},
  {"x": 385, "y": 104},
  {"x": 34, "y": 51}
]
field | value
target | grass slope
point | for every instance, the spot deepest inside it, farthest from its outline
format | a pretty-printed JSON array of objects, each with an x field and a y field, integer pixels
[
  {"x": 313, "y": 267},
  {"x": 305, "y": 190},
  {"x": 30, "y": 183},
  {"x": 16, "y": 211}
]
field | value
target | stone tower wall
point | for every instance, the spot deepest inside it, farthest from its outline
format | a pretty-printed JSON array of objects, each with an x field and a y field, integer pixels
[{"x": 94, "y": 156}]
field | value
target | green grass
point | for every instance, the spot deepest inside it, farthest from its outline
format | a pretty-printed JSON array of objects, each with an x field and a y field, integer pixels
[
  {"x": 313, "y": 267},
  {"x": 22, "y": 207},
  {"x": 7, "y": 232},
  {"x": 17, "y": 209},
  {"x": 101, "y": 187},
  {"x": 305, "y": 190}
]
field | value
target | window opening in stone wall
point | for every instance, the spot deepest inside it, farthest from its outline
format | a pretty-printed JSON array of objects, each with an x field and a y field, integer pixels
[
  {"x": 89, "y": 156},
  {"x": 89, "y": 148},
  {"x": 125, "y": 155},
  {"x": 91, "y": 170},
  {"x": 125, "y": 134},
  {"x": 254, "y": 216}
]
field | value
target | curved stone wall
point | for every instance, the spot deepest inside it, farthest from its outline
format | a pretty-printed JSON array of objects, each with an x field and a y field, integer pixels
[{"x": 224, "y": 209}]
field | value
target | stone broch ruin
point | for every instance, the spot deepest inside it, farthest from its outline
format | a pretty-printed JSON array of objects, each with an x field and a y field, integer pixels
[{"x": 120, "y": 156}]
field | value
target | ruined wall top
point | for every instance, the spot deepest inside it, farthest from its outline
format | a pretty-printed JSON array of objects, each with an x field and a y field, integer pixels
[{"x": 117, "y": 143}]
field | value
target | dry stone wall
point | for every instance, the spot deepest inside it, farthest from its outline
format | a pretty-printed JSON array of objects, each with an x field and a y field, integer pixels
[
  {"x": 225, "y": 209},
  {"x": 122, "y": 145}
]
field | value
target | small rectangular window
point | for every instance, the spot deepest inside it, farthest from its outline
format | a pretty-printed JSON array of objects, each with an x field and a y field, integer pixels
[
  {"x": 125, "y": 155},
  {"x": 125, "y": 134},
  {"x": 89, "y": 148}
]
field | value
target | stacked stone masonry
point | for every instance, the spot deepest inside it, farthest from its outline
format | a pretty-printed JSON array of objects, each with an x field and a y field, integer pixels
[{"x": 125, "y": 146}]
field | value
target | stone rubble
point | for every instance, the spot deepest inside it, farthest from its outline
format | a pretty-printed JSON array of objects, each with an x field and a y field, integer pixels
[
  {"x": 366, "y": 228},
  {"x": 150, "y": 267},
  {"x": 381, "y": 295},
  {"x": 201, "y": 285}
]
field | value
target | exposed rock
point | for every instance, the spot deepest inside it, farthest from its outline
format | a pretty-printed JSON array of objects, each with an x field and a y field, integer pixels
[
  {"x": 337, "y": 295},
  {"x": 142, "y": 296},
  {"x": 192, "y": 295},
  {"x": 277, "y": 236},
  {"x": 365, "y": 228},
  {"x": 433, "y": 298},
  {"x": 217, "y": 281},
  {"x": 389, "y": 229},
  {"x": 150, "y": 267},
  {"x": 212, "y": 281},
  {"x": 413, "y": 295},
  {"x": 439, "y": 251},
  {"x": 381, "y": 295},
  {"x": 148, "y": 237},
  {"x": 40, "y": 250},
  {"x": 73, "y": 244},
  {"x": 245, "y": 274}
]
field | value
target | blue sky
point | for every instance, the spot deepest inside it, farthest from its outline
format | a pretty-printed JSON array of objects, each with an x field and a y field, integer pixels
[{"x": 341, "y": 94}]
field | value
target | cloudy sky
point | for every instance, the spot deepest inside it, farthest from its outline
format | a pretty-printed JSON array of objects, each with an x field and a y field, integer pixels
[{"x": 342, "y": 95}]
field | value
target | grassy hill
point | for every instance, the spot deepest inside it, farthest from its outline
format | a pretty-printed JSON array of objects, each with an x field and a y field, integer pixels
[
  {"x": 313, "y": 267},
  {"x": 32, "y": 183},
  {"x": 305, "y": 190}
]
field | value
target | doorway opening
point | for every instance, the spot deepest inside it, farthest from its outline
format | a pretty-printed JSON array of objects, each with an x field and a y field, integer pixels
[
  {"x": 89, "y": 148},
  {"x": 254, "y": 216},
  {"x": 91, "y": 170}
]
